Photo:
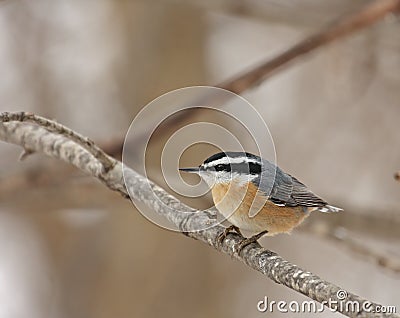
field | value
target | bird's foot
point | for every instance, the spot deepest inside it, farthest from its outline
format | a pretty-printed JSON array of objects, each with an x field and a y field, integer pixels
[
  {"x": 221, "y": 237},
  {"x": 241, "y": 245}
]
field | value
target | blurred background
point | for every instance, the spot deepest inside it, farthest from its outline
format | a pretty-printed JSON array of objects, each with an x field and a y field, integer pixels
[{"x": 71, "y": 248}]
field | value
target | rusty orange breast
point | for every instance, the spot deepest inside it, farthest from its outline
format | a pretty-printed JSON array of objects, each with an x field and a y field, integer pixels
[{"x": 234, "y": 201}]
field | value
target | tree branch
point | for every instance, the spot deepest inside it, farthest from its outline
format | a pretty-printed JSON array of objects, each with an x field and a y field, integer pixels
[
  {"x": 342, "y": 234},
  {"x": 368, "y": 15},
  {"x": 238, "y": 84},
  {"x": 53, "y": 126},
  {"x": 397, "y": 176},
  {"x": 357, "y": 247},
  {"x": 58, "y": 143}
]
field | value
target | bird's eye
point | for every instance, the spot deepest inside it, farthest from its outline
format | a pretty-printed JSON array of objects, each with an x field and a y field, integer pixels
[{"x": 223, "y": 167}]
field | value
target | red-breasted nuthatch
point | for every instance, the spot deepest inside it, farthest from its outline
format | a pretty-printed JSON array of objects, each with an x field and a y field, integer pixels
[{"x": 241, "y": 182}]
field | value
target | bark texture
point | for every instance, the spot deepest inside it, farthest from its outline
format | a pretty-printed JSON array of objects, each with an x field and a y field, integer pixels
[{"x": 55, "y": 141}]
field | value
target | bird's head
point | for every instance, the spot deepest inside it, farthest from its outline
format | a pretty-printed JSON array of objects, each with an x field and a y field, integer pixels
[{"x": 225, "y": 167}]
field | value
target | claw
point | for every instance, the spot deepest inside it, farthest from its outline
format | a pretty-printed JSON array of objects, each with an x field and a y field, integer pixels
[
  {"x": 241, "y": 245},
  {"x": 221, "y": 237}
]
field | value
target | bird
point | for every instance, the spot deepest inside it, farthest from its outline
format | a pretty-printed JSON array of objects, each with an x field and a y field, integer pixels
[{"x": 256, "y": 195}]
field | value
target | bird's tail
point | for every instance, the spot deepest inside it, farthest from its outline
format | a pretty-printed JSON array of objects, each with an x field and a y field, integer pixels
[{"x": 329, "y": 208}]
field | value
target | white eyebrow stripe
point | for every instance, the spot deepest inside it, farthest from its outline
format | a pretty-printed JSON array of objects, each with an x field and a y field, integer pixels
[{"x": 227, "y": 160}]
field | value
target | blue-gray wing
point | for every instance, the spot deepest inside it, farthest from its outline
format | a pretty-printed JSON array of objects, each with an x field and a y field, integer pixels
[{"x": 283, "y": 189}]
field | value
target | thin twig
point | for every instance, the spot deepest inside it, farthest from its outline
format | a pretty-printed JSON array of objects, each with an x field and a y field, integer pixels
[
  {"x": 55, "y": 127},
  {"x": 126, "y": 180},
  {"x": 368, "y": 15},
  {"x": 343, "y": 236},
  {"x": 345, "y": 26}
]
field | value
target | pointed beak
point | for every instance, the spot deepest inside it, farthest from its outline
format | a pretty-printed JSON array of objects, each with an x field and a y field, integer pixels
[{"x": 190, "y": 170}]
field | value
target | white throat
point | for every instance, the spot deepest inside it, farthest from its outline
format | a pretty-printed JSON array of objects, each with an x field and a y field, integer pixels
[{"x": 222, "y": 177}]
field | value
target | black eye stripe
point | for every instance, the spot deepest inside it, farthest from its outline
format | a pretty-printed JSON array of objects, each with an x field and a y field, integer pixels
[
  {"x": 254, "y": 168},
  {"x": 244, "y": 167},
  {"x": 247, "y": 168}
]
